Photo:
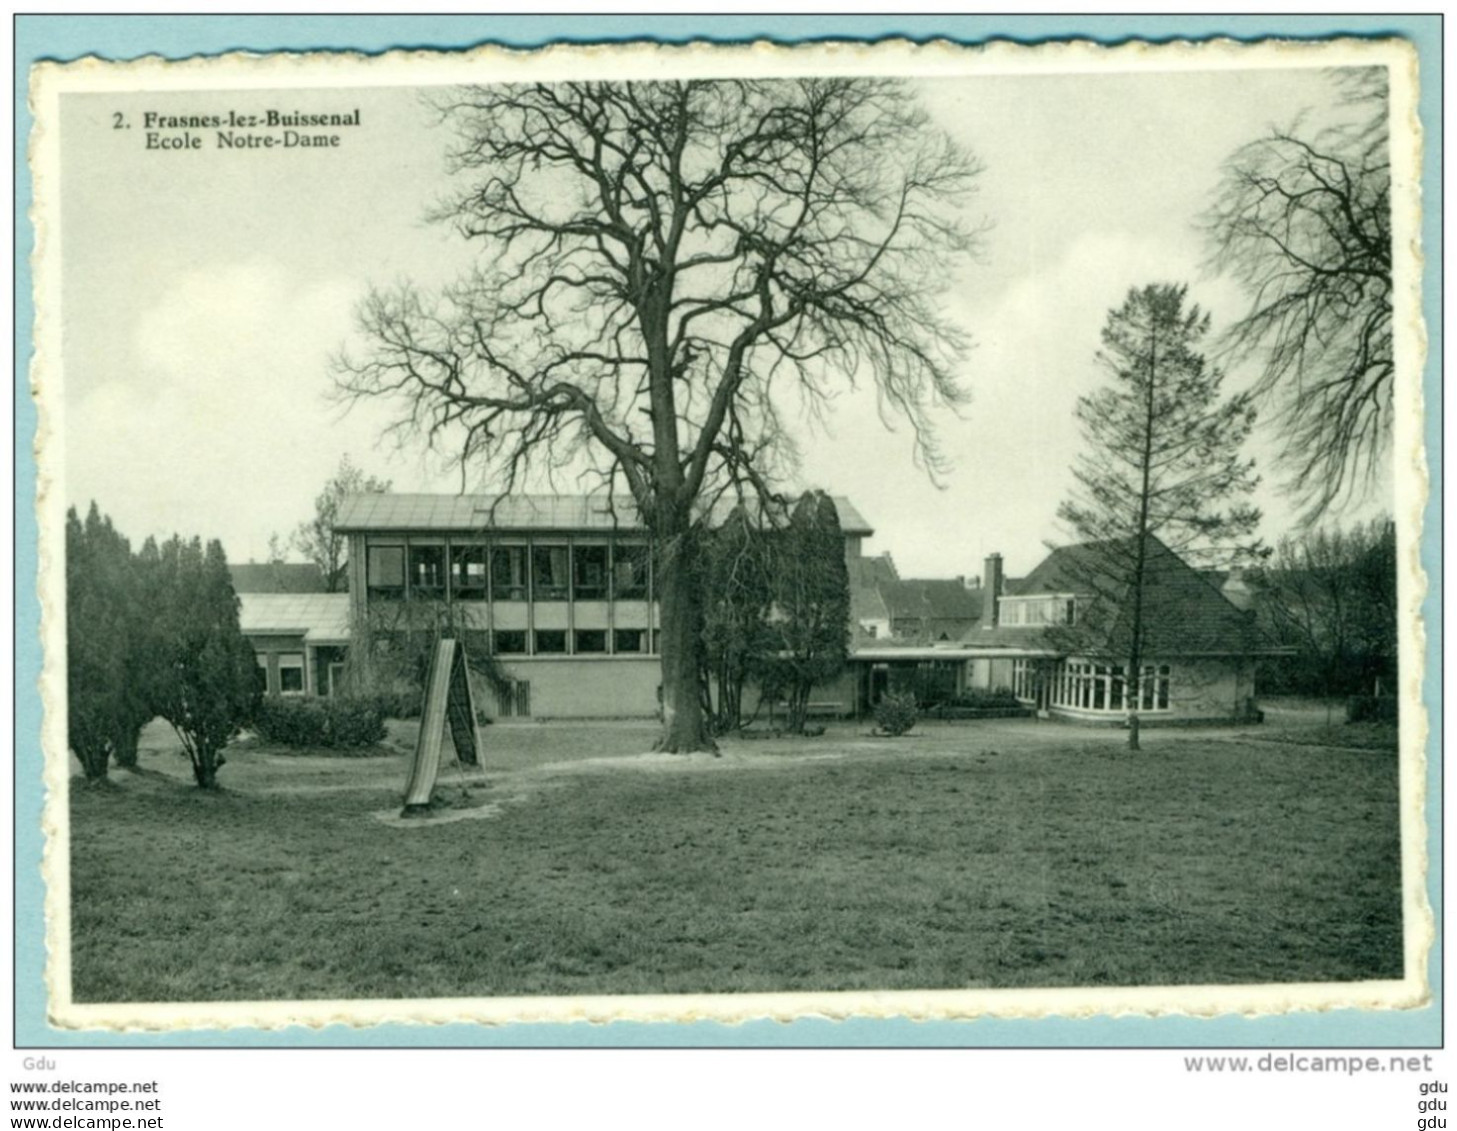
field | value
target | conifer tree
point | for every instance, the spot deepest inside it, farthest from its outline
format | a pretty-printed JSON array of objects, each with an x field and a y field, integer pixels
[
  {"x": 1161, "y": 461},
  {"x": 95, "y": 641},
  {"x": 208, "y": 685},
  {"x": 811, "y": 619},
  {"x": 735, "y": 563}
]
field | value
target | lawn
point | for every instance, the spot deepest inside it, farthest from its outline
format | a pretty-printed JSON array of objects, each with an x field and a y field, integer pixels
[{"x": 971, "y": 855}]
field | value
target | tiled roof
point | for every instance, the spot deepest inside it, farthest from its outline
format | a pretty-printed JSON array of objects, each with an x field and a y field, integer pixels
[
  {"x": 276, "y": 577},
  {"x": 564, "y": 513},
  {"x": 1184, "y": 613},
  {"x": 872, "y": 570},
  {"x": 866, "y": 575},
  {"x": 1016, "y": 638},
  {"x": 321, "y": 617},
  {"x": 932, "y": 599}
]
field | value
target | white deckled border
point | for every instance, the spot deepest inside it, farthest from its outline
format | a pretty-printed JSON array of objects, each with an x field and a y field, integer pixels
[{"x": 325, "y": 70}]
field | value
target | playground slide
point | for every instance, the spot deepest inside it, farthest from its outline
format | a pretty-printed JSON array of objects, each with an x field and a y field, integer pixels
[{"x": 448, "y": 699}]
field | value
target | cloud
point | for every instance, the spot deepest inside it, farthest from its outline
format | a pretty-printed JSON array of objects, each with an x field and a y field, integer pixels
[
  {"x": 221, "y": 429},
  {"x": 1013, "y": 446}
]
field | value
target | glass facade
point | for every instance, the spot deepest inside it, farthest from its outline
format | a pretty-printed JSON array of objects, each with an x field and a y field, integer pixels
[
  {"x": 550, "y": 577},
  {"x": 589, "y": 598},
  {"x": 385, "y": 569},
  {"x": 427, "y": 571},
  {"x": 1034, "y": 611},
  {"x": 508, "y": 573},
  {"x": 1081, "y": 685},
  {"x": 468, "y": 573},
  {"x": 589, "y": 573}
]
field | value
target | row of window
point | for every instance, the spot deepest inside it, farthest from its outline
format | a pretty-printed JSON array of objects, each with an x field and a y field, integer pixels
[
  {"x": 1093, "y": 687},
  {"x": 537, "y": 572},
  {"x": 1037, "y": 610},
  {"x": 584, "y": 642}
]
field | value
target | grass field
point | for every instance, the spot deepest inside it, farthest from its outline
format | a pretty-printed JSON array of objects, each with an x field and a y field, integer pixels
[{"x": 1014, "y": 854}]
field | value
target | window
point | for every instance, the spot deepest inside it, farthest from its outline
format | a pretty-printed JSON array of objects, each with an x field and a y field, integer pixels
[
  {"x": 591, "y": 640},
  {"x": 1101, "y": 687},
  {"x": 508, "y": 573},
  {"x": 468, "y": 572},
  {"x": 1022, "y": 680},
  {"x": 427, "y": 572},
  {"x": 510, "y": 642},
  {"x": 385, "y": 571},
  {"x": 262, "y": 658},
  {"x": 549, "y": 578},
  {"x": 630, "y": 572},
  {"x": 629, "y": 640},
  {"x": 589, "y": 573},
  {"x": 1153, "y": 690},
  {"x": 550, "y": 641},
  {"x": 1037, "y": 610},
  {"x": 290, "y": 673}
]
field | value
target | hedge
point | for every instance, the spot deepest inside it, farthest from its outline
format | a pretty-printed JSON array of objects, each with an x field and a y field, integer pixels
[
  {"x": 329, "y": 724},
  {"x": 1371, "y": 709}
]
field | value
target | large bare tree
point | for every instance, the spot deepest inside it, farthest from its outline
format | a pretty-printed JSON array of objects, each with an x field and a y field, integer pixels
[
  {"x": 317, "y": 539},
  {"x": 1302, "y": 218},
  {"x": 668, "y": 271}
]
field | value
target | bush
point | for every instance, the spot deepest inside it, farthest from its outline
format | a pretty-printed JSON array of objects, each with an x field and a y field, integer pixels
[
  {"x": 1371, "y": 709},
  {"x": 330, "y": 724},
  {"x": 399, "y": 703},
  {"x": 896, "y": 712},
  {"x": 985, "y": 700}
]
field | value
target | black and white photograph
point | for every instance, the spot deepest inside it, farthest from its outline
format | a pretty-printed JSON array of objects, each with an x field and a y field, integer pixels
[{"x": 732, "y": 533}]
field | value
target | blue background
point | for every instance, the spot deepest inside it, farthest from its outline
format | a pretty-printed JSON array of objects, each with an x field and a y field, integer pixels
[{"x": 125, "y": 37}]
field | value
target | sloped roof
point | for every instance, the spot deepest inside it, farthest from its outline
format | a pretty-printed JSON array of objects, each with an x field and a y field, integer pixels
[
  {"x": 562, "y": 513},
  {"x": 1012, "y": 639},
  {"x": 276, "y": 577},
  {"x": 866, "y": 575},
  {"x": 932, "y": 599},
  {"x": 318, "y": 617},
  {"x": 1183, "y": 612},
  {"x": 872, "y": 570}
]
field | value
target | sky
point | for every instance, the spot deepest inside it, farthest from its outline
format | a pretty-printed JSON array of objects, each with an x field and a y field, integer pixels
[{"x": 205, "y": 292}]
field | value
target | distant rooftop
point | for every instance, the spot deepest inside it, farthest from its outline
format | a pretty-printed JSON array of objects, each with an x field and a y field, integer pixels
[
  {"x": 557, "y": 513},
  {"x": 321, "y": 618},
  {"x": 276, "y": 577}
]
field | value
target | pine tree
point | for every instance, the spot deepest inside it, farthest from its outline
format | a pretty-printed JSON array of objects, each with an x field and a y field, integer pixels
[{"x": 1161, "y": 461}]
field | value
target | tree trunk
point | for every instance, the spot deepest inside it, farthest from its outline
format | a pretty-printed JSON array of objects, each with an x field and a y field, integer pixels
[
  {"x": 93, "y": 764},
  {"x": 126, "y": 748},
  {"x": 1133, "y": 731},
  {"x": 684, "y": 726},
  {"x": 205, "y": 771}
]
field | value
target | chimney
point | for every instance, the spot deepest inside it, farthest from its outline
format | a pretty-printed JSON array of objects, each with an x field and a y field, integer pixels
[
  {"x": 1237, "y": 590},
  {"x": 992, "y": 584}
]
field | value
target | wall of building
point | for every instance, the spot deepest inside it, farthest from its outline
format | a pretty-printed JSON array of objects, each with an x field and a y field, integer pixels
[
  {"x": 578, "y": 687},
  {"x": 268, "y": 648},
  {"x": 984, "y": 674},
  {"x": 1212, "y": 689}
]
